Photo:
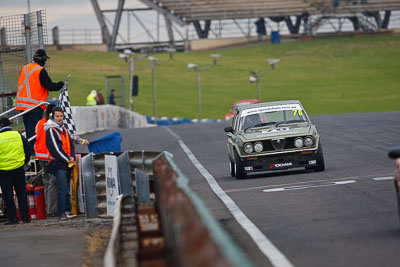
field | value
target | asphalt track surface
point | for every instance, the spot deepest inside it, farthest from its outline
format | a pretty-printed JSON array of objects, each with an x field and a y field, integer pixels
[{"x": 344, "y": 216}]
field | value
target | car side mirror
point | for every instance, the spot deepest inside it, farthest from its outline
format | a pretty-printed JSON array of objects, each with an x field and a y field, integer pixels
[
  {"x": 228, "y": 129},
  {"x": 394, "y": 152}
]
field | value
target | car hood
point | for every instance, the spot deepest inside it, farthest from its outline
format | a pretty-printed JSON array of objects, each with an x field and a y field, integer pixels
[{"x": 281, "y": 131}]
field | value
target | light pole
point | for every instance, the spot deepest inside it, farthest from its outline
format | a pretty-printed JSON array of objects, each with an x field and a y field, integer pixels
[
  {"x": 255, "y": 78},
  {"x": 197, "y": 69},
  {"x": 129, "y": 55},
  {"x": 154, "y": 63}
]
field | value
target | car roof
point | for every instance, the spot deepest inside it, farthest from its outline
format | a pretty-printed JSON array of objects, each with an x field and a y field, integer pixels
[{"x": 264, "y": 104}]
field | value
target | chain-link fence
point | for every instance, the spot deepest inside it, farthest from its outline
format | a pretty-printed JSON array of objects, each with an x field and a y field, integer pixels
[{"x": 20, "y": 36}]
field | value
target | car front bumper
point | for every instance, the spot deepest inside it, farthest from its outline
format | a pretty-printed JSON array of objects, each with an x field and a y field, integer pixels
[{"x": 280, "y": 162}]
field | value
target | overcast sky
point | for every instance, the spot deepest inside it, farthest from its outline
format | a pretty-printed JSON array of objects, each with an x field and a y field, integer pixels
[
  {"x": 79, "y": 14},
  {"x": 63, "y": 13}
]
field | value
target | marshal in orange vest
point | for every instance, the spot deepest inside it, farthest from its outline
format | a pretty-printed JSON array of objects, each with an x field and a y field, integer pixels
[{"x": 30, "y": 91}]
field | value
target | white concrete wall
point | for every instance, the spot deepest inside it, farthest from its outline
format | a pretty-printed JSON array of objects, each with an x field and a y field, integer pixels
[{"x": 96, "y": 118}]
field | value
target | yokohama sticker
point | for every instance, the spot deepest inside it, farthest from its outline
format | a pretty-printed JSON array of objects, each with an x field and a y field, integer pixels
[{"x": 279, "y": 165}]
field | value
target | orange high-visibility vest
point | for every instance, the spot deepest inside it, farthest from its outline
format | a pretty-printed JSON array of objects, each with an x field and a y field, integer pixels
[
  {"x": 41, "y": 150},
  {"x": 66, "y": 145},
  {"x": 30, "y": 91}
]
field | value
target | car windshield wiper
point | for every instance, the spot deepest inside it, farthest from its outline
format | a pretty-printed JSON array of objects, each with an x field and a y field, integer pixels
[
  {"x": 260, "y": 125},
  {"x": 264, "y": 124},
  {"x": 289, "y": 121}
]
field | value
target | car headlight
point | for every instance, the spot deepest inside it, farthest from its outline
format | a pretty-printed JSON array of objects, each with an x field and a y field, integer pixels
[
  {"x": 248, "y": 148},
  {"x": 298, "y": 142},
  {"x": 258, "y": 146},
  {"x": 308, "y": 141}
]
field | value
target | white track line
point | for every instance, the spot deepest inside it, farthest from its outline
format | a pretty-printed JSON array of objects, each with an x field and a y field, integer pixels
[
  {"x": 276, "y": 257},
  {"x": 306, "y": 186},
  {"x": 383, "y": 178}
]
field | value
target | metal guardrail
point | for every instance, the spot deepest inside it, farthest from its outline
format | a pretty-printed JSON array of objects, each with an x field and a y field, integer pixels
[
  {"x": 165, "y": 224},
  {"x": 22, "y": 113},
  {"x": 93, "y": 175},
  {"x": 122, "y": 246},
  {"x": 192, "y": 235}
]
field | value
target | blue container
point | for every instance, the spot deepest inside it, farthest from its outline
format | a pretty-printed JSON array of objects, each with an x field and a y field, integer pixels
[{"x": 275, "y": 37}]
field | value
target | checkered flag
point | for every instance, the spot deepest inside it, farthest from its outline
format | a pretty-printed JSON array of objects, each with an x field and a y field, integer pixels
[{"x": 63, "y": 102}]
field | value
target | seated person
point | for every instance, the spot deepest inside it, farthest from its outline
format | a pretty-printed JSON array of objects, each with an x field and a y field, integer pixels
[{"x": 251, "y": 120}]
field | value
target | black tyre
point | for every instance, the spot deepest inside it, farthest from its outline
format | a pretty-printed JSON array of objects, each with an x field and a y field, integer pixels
[
  {"x": 320, "y": 160},
  {"x": 239, "y": 168},
  {"x": 232, "y": 168}
]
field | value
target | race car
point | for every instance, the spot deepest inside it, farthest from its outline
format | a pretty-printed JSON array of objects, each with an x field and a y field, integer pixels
[
  {"x": 229, "y": 116},
  {"x": 273, "y": 136}
]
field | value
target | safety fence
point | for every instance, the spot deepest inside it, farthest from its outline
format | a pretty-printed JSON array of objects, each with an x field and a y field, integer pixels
[
  {"x": 20, "y": 36},
  {"x": 158, "y": 219}
]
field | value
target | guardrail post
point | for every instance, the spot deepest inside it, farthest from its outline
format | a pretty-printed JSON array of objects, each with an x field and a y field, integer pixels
[
  {"x": 142, "y": 187},
  {"x": 125, "y": 179},
  {"x": 89, "y": 183}
]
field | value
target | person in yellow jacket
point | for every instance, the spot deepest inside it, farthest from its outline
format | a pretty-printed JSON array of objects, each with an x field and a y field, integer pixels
[
  {"x": 91, "y": 98},
  {"x": 33, "y": 86},
  {"x": 15, "y": 152}
]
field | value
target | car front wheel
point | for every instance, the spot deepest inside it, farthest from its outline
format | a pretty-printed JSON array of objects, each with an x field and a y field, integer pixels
[
  {"x": 239, "y": 168},
  {"x": 320, "y": 160},
  {"x": 232, "y": 168}
]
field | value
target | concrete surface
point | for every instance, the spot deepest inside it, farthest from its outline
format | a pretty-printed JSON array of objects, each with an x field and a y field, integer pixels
[{"x": 51, "y": 242}]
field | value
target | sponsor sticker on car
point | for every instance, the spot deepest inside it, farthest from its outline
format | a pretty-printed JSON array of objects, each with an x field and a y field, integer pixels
[
  {"x": 271, "y": 109},
  {"x": 280, "y": 165}
]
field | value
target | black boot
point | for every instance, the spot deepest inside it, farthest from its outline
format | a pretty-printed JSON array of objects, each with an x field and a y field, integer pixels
[{"x": 14, "y": 221}]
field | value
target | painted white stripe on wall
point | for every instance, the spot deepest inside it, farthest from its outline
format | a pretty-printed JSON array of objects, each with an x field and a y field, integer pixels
[
  {"x": 264, "y": 244},
  {"x": 299, "y": 187}
]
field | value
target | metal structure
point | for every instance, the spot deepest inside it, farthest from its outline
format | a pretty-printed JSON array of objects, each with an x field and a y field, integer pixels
[
  {"x": 19, "y": 36},
  {"x": 111, "y": 38},
  {"x": 208, "y": 17},
  {"x": 94, "y": 182}
]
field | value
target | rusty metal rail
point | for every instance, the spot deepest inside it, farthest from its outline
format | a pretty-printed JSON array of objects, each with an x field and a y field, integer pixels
[{"x": 171, "y": 228}]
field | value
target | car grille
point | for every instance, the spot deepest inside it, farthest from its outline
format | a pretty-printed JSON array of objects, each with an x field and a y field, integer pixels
[{"x": 268, "y": 146}]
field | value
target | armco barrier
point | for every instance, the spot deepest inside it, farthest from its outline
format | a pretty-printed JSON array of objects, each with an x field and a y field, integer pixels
[
  {"x": 122, "y": 246},
  {"x": 93, "y": 176},
  {"x": 192, "y": 235}
]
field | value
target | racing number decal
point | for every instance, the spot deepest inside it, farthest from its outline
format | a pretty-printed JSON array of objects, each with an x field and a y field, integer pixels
[{"x": 297, "y": 111}]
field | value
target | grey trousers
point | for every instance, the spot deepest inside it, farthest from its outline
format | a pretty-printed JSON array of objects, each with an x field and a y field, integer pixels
[{"x": 50, "y": 189}]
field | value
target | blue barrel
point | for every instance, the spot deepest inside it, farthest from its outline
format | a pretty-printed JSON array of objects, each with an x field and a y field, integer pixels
[{"x": 275, "y": 37}]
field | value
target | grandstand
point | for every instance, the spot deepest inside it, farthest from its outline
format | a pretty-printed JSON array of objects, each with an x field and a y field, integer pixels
[
  {"x": 358, "y": 12},
  {"x": 195, "y": 10}
]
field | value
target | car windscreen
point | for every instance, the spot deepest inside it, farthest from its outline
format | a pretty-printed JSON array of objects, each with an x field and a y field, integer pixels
[{"x": 271, "y": 115}]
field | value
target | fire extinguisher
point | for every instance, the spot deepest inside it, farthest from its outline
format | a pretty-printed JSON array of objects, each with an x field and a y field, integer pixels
[
  {"x": 31, "y": 201},
  {"x": 40, "y": 203}
]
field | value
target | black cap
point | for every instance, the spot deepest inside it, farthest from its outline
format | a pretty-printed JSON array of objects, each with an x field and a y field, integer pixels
[
  {"x": 4, "y": 122},
  {"x": 49, "y": 109},
  {"x": 41, "y": 53}
]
